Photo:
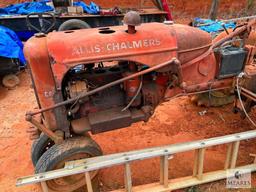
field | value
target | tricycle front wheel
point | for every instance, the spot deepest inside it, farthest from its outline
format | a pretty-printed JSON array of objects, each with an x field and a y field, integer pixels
[{"x": 56, "y": 156}]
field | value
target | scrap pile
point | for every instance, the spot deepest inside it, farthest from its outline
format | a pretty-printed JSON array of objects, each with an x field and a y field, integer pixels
[
  {"x": 8, "y": 38},
  {"x": 44, "y": 6},
  {"x": 211, "y": 26},
  {"x": 26, "y": 8}
]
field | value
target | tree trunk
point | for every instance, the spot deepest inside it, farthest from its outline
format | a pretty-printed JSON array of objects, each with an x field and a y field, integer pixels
[
  {"x": 250, "y": 4},
  {"x": 214, "y": 10}
]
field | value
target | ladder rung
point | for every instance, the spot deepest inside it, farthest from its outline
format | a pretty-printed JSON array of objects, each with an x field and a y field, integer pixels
[
  {"x": 234, "y": 154},
  {"x": 128, "y": 178},
  {"x": 195, "y": 163},
  {"x": 88, "y": 182},
  {"x": 44, "y": 186},
  {"x": 164, "y": 165},
  {"x": 199, "y": 163},
  {"x": 228, "y": 157}
]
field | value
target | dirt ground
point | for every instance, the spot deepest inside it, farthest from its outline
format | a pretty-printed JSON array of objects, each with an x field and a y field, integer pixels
[{"x": 173, "y": 122}]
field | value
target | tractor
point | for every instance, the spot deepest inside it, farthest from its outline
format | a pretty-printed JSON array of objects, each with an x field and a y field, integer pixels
[{"x": 91, "y": 81}]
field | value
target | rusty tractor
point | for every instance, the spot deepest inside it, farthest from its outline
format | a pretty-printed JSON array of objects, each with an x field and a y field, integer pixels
[{"x": 102, "y": 79}]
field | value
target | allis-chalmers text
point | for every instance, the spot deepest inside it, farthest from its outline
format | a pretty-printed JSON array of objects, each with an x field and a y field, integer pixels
[{"x": 115, "y": 46}]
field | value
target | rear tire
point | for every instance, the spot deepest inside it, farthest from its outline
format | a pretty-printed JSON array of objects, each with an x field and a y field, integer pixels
[
  {"x": 213, "y": 99},
  {"x": 57, "y": 155},
  {"x": 73, "y": 24}
]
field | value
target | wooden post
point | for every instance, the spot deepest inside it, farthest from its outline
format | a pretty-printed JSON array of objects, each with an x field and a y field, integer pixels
[
  {"x": 71, "y": 2},
  {"x": 44, "y": 186},
  {"x": 214, "y": 10},
  {"x": 164, "y": 171},
  {"x": 128, "y": 178},
  {"x": 88, "y": 182},
  {"x": 249, "y": 4},
  {"x": 234, "y": 154}
]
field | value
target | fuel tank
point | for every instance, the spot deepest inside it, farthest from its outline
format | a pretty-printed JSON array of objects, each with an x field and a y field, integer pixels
[{"x": 192, "y": 42}]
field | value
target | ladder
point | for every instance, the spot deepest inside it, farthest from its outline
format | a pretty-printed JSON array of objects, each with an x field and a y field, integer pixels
[{"x": 165, "y": 153}]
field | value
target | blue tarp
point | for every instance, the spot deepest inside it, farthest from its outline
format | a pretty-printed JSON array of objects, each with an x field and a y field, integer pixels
[
  {"x": 211, "y": 26},
  {"x": 91, "y": 9},
  {"x": 26, "y": 8},
  {"x": 10, "y": 45},
  {"x": 41, "y": 7}
]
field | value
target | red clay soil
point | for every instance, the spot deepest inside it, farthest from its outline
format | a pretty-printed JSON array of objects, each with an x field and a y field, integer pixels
[{"x": 173, "y": 122}]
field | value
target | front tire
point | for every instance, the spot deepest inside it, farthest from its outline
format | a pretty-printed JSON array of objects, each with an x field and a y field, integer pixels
[
  {"x": 39, "y": 147},
  {"x": 57, "y": 155}
]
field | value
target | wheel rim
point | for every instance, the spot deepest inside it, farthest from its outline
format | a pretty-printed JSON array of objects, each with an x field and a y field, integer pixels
[
  {"x": 48, "y": 144},
  {"x": 70, "y": 183}
]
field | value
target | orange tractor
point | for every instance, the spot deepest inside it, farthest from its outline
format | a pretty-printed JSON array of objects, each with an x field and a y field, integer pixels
[{"x": 102, "y": 79}]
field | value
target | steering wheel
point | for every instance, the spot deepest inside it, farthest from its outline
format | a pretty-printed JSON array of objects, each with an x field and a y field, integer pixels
[{"x": 46, "y": 21}]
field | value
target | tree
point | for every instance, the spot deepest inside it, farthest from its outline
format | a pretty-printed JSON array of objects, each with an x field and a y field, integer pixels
[
  {"x": 214, "y": 10},
  {"x": 250, "y": 4}
]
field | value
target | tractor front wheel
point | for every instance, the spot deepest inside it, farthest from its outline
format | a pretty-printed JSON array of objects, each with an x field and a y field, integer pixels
[
  {"x": 56, "y": 156},
  {"x": 39, "y": 147}
]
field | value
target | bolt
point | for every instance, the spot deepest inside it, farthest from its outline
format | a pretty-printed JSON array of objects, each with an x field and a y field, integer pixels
[{"x": 28, "y": 117}]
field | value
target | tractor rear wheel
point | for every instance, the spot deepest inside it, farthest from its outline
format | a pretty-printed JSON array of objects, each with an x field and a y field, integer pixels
[
  {"x": 71, "y": 149},
  {"x": 213, "y": 99}
]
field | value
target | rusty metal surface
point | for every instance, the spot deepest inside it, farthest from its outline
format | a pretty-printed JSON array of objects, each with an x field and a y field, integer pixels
[
  {"x": 250, "y": 41},
  {"x": 145, "y": 72},
  {"x": 197, "y": 88},
  {"x": 242, "y": 31},
  {"x": 146, "y": 46},
  {"x": 154, "y": 68},
  {"x": 79, "y": 126},
  {"x": 44, "y": 85},
  {"x": 44, "y": 129},
  {"x": 191, "y": 42},
  {"x": 132, "y": 18},
  {"x": 110, "y": 119}
]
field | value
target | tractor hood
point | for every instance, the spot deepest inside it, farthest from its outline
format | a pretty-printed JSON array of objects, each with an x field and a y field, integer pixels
[
  {"x": 153, "y": 43},
  {"x": 113, "y": 43}
]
